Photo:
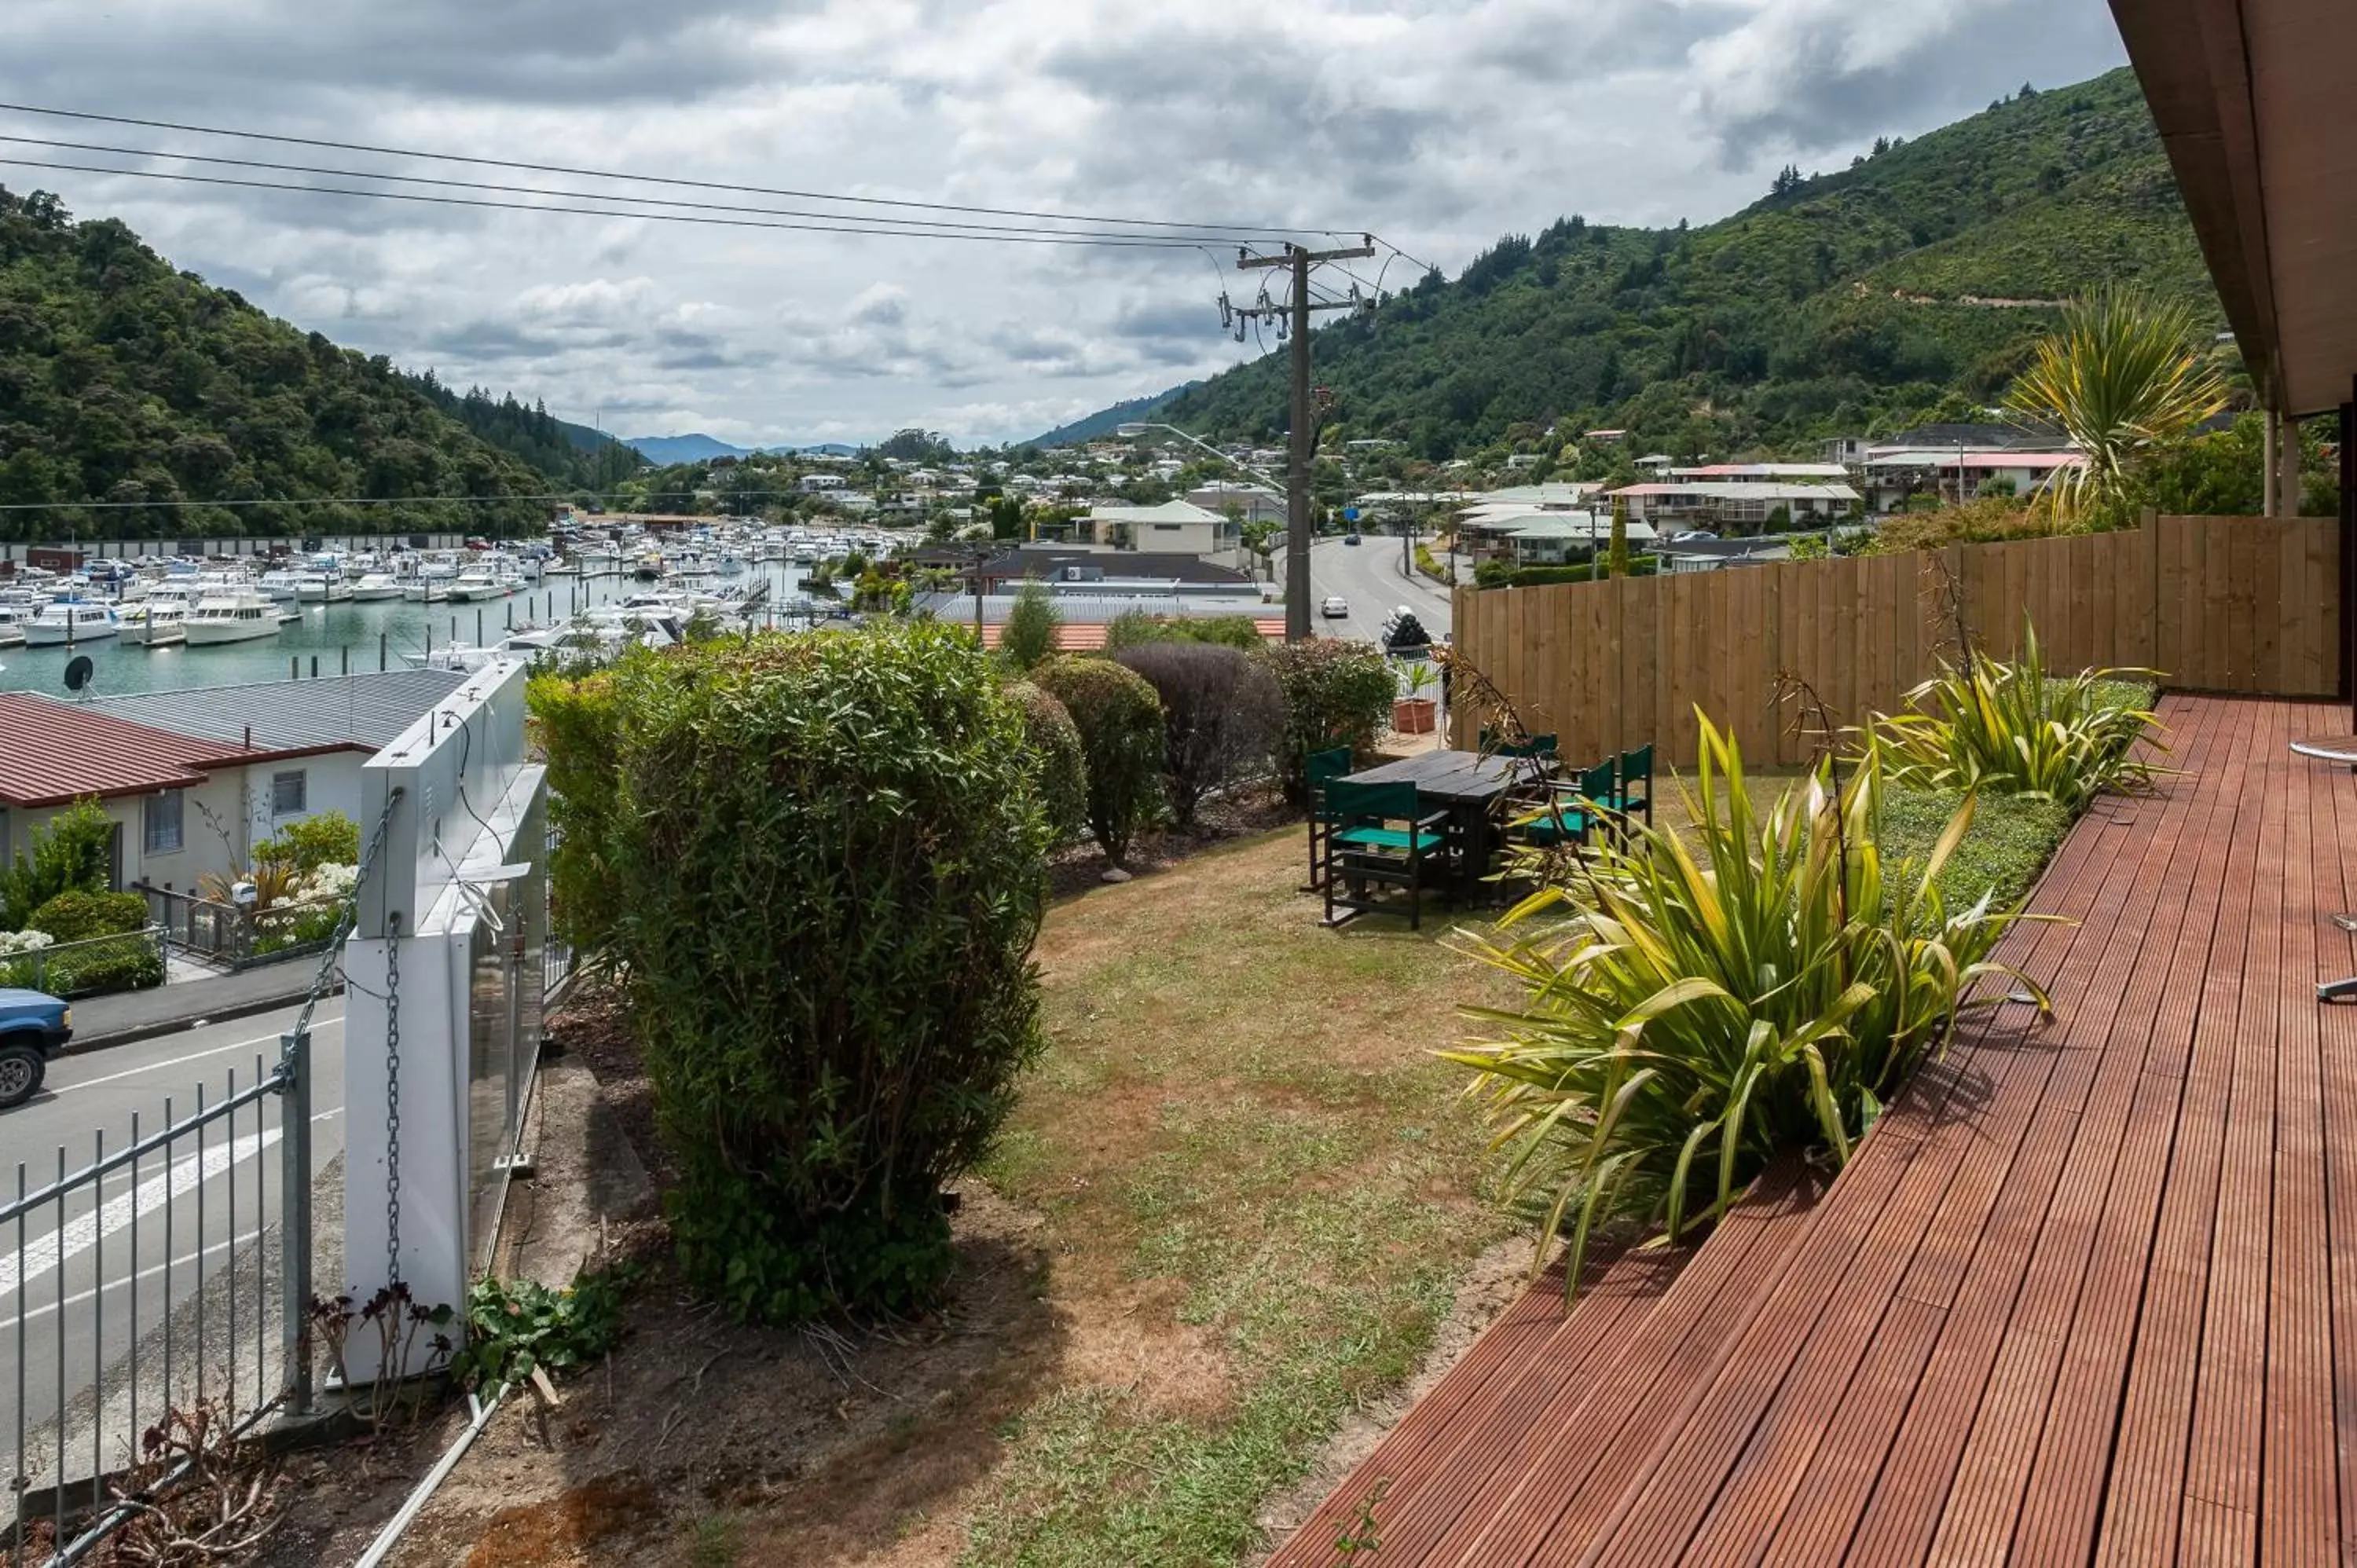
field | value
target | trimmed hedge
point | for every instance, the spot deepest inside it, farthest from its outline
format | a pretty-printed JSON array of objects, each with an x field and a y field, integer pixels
[
  {"x": 1221, "y": 715},
  {"x": 1058, "y": 768},
  {"x": 821, "y": 871},
  {"x": 1497, "y": 574},
  {"x": 1136, "y": 629},
  {"x": 75, "y": 917},
  {"x": 1120, "y": 720}
]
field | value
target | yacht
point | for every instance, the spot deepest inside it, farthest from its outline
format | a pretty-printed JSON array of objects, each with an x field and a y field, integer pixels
[
  {"x": 375, "y": 586},
  {"x": 280, "y": 583},
  {"x": 12, "y": 625},
  {"x": 316, "y": 587},
  {"x": 70, "y": 621},
  {"x": 232, "y": 615},
  {"x": 155, "y": 622},
  {"x": 477, "y": 582}
]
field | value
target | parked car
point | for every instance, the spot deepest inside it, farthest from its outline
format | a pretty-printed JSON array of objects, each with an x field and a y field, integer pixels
[
  {"x": 1350, "y": 539},
  {"x": 33, "y": 1026},
  {"x": 1695, "y": 536},
  {"x": 1336, "y": 607}
]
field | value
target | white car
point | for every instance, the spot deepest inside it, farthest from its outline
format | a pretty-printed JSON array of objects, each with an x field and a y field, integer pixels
[{"x": 1336, "y": 607}]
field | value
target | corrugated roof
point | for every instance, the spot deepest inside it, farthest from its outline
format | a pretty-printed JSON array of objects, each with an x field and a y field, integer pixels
[
  {"x": 366, "y": 710},
  {"x": 52, "y": 753},
  {"x": 1088, "y": 636}
]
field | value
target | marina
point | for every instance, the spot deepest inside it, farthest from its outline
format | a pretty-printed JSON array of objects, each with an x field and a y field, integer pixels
[{"x": 174, "y": 624}]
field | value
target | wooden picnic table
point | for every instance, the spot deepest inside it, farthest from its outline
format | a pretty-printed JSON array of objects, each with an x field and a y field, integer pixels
[{"x": 1468, "y": 786}]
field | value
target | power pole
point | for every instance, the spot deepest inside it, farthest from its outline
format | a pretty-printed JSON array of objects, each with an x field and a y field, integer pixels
[{"x": 1295, "y": 314}]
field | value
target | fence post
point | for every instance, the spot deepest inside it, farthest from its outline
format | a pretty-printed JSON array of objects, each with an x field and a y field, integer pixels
[{"x": 295, "y": 1214}]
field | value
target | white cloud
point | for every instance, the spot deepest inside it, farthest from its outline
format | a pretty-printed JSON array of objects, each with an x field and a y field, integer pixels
[{"x": 1437, "y": 124}]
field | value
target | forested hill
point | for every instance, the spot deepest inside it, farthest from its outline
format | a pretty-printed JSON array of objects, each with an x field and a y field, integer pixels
[
  {"x": 123, "y": 380},
  {"x": 573, "y": 454},
  {"x": 1910, "y": 285}
]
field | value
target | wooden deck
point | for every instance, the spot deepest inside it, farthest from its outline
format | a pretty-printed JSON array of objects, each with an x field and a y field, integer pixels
[{"x": 2088, "y": 1294}]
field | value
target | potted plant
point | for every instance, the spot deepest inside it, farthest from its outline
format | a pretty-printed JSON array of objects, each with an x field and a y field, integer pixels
[{"x": 1413, "y": 715}]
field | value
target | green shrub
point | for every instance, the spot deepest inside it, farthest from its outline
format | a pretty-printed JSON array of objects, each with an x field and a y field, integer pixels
[
  {"x": 1120, "y": 720},
  {"x": 1502, "y": 574},
  {"x": 2010, "y": 728},
  {"x": 1336, "y": 693},
  {"x": 1057, "y": 767},
  {"x": 1136, "y": 629},
  {"x": 330, "y": 838},
  {"x": 1029, "y": 634},
  {"x": 73, "y": 852},
  {"x": 577, "y": 729},
  {"x": 77, "y": 916},
  {"x": 1221, "y": 716},
  {"x": 824, "y": 858},
  {"x": 516, "y": 1326},
  {"x": 102, "y": 966},
  {"x": 1692, "y": 1013}
]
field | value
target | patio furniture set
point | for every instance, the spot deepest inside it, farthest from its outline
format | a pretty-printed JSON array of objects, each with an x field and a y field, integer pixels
[{"x": 1381, "y": 838}]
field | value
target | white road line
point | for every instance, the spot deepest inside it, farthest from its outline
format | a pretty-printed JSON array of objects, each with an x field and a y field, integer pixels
[
  {"x": 86, "y": 1230},
  {"x": 193, "y": 1055},
  {"x": 33, "y": 1314}
]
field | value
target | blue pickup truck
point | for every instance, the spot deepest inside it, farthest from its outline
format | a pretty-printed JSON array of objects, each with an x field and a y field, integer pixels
[{"x": 33, "y": 1026}]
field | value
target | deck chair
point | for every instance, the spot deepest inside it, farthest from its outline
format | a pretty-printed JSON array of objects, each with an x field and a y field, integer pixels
[
  {"x": 1381, "y": 838},
  {"x": 1320, "y": 770},
  {"x": 1561, "y": 813},
  {"x": 1632, "y": 792}
]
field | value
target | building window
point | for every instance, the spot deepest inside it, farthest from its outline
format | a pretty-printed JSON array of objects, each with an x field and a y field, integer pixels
[
  {"x": 163, "y": 823},
  {"x": 289, "y": 793}
]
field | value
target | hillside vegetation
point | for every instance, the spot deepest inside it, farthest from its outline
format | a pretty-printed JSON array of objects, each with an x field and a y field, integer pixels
[
  {"x": 1908, "y": 285},
  {"x": 122, "y": 381},
  {"x": 572, "y": 454}
]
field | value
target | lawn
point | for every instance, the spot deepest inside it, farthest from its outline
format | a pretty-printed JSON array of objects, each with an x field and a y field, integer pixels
[{"x": 1262, "y": 1193}]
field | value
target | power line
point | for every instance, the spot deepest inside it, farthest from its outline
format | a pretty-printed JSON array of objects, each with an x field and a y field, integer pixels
[
  {"x": 659, "y": 202},
  {"x": 382, "y": 501},
  {"x": 1254, "y": 229},
  {"x": 1137, "y": 243}
]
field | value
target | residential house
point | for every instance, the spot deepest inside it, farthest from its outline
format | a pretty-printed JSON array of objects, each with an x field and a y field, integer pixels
[
  {"x": 194, "y": 780},
  {"x": 1543, "y": 538},
  {"x": 1956, "y": 474},
  {"x": 819, "y": 484},
  {"x": 1259, "y": 503},
  {"x": 1736, "y": 504},
  {"x": 1176, "y": 526}
]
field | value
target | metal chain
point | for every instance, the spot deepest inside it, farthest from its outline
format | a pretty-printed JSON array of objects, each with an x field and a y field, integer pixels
[
  {"x": 393, "y": 1098},
  {"x": 351, "y": 913}
]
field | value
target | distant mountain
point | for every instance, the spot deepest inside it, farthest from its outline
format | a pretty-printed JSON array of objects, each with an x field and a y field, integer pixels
[
  {"x": 1910, "y": 286},
  {"x": 192, "y": 413},
  {"x": 664, "y": 450},
  {"x": 1101, "y": 424}
]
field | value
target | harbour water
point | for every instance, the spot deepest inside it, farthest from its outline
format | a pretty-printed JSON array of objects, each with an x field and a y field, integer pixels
[{"x": 335, "y": 638}]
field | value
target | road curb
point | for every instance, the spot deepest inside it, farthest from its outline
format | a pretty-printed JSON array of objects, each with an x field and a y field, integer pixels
[{"x": 226, "y": 1014}]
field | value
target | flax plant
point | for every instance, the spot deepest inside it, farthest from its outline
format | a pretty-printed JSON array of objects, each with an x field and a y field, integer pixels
[
  {"x": 2121, "y": 378},
  {"x": 2011, "y": 728},
  {"x": 1694, "y": 1012}
]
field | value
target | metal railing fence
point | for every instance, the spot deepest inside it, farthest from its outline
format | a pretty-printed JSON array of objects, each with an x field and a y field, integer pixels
[
  {"x": 174, "y": 1270},
  {"x": 91, "y": 966}
]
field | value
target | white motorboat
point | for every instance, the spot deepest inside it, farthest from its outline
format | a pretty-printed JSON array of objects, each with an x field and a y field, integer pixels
[
  {"x": 477, "y": 582},
  {"x": 12, "y": 625},
  {"x": 321, "y": 588},
  {"x": 71, "y": 621},
  {"x": 280, "y": 583},
  {"x": 375, "y": 586},
  {"x": 232, "y": 615},
  {"x": 156, "y": 622}
]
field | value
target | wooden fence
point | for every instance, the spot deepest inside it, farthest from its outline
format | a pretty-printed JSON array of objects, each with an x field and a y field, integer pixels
[{"x": 2220, "y": 603}]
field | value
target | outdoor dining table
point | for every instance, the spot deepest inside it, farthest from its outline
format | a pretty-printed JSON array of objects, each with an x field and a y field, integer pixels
[
  {"x": 2341, "y": 748},
  {"x": 1467, "y": 785}
]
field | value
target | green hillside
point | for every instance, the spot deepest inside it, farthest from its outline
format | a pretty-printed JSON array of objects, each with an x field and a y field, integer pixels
[
  {"x": 1101, "y": 423},
  {"x": 572, "y": 454},
  {"x": 1905, "y": 286},
  {"x": 122, "y": 381}
]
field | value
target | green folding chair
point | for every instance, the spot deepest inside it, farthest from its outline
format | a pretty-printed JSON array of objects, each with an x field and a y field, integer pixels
[
  {"x": 1320, "y": 770},
  {"x": 1561, "y": 813},
  {"x": 1381, "y": 838},
  {"x": 1537, "y": 745},
  {"x": 1632, "y": 792}
]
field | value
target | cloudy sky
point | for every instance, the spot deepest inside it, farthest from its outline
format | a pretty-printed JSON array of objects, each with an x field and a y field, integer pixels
[{"x": 1436, "y": 124}]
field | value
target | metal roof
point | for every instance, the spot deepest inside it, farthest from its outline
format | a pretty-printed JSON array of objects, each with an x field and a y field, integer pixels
[
  {"x": 52, "y": 753},
  {"x": 335, "y": 712}
]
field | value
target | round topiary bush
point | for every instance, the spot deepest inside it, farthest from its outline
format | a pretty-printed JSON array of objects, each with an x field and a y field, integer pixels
[
  {"x": 1336, "y": 693},
  {"x": 76, "y": 916},
  {"x": 822, "y": 872},
  {"x": 1221, "y": 716},
  {"x": 1120, "y": 720},
  {"x": 1061, "y": 775}
]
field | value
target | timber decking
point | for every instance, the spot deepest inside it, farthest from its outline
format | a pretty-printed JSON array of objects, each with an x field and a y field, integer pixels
[{"x": 2088, "y": 1294}]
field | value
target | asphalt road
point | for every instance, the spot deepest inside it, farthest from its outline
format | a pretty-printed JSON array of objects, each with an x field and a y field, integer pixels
[
  {"x": 164, "y": 1225},
  {"x": 1369, "y": 576}
]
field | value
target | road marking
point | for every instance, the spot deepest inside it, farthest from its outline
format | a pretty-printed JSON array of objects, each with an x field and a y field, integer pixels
[
  {"x": 150, "y": 1271},
  {"x": 191, "y": 1056},
  {"x": 88, "y": 1229}
]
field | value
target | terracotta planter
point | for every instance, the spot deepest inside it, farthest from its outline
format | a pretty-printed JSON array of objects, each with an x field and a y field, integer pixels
[{"x": 1413, "y": 715}]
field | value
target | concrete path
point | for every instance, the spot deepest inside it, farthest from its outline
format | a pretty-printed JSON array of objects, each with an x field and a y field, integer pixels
[{"x": 128, "y": 1016}]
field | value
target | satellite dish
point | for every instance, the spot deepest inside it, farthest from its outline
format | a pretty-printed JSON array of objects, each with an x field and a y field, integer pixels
[{"x": 79, "y": 669}]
